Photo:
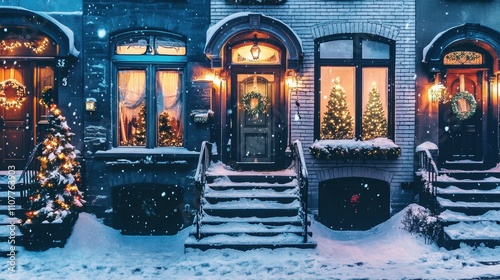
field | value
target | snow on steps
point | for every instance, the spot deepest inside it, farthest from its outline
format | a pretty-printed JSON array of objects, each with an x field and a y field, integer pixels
[
  {"x": 248, "y": 210},
  {"x": 469, "y": 206}
]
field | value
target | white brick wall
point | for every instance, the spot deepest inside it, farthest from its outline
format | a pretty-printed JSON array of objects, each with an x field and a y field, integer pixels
[{"x": 311, "y": 19}]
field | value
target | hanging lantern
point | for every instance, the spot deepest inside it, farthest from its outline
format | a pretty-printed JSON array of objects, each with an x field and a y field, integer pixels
[{"x": 438, "y": 93}]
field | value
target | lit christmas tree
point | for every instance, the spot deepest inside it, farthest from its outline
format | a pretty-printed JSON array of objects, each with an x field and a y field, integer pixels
[
  {"x": 374, "y": 122},
  {"x": 168, "y": 134},
  {"x": 337, "y": 122},
  {"x": 139, "y": 135},
  {"x": 56, "y": 193}
]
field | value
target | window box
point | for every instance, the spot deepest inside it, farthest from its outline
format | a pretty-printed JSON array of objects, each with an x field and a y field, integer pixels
[{"x": 379, "y": 148}]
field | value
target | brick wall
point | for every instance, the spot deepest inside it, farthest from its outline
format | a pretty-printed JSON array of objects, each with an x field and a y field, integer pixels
[{"x": 313, "y": 19}]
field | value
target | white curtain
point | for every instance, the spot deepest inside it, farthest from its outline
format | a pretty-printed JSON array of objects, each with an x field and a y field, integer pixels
[
  {"x": 132, "y": 92},
  {"x": 168, "y": 92}
]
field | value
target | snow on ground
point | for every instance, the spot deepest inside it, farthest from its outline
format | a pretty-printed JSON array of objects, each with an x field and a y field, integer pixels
[{"x": 95, "y": 251}]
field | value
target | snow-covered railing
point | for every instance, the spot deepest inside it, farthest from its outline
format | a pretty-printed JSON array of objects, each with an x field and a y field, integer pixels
[
  {"x": 200, "y": 179},
  {"x": 303, "y": 180},
  {"x": 427, "y": 167},
  {"x": 30, "y": 170}
]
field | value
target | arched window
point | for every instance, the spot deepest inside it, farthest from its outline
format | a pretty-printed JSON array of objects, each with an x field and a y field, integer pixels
[
  {"x": 148, "y": 83},
  {"x": 355, "y": 97}
]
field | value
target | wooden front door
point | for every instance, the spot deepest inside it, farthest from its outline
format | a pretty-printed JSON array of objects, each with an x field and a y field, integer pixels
[
  {"x": 16, "y": 132},
  {"x": 462, "y": 140},
  {"x": 260, "y": 134}
]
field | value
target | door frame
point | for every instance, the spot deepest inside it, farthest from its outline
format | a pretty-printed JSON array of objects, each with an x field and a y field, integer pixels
[{"x": 279, "y": 118}]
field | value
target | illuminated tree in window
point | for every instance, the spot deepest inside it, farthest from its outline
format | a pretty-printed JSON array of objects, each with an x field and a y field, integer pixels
[
  {"x": 337, "y": 121},
  {"x": 168, "y": 132},
  {"x": 139, "y": 134},
  {"x": 374, "y": 122},
  {"x": 56, "y": 193}
]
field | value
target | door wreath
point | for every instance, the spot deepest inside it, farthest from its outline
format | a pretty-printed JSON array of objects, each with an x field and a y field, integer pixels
[
  {"x": 254, "y": 103},
  {"x": 462, "y": 114},
  {"x": 20, "y": 94}
]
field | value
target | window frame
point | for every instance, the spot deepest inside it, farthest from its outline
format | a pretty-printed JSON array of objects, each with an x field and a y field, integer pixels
[
  {"x": 359, "y": 64},
  {"x": 151, "y": 64}
]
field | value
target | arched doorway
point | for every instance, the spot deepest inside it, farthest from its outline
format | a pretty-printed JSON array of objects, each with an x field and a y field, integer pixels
[
  {"x": 465, "y": 60},
  {"x": 33, "y": 49},
  {"x": 253, "y": 54}
]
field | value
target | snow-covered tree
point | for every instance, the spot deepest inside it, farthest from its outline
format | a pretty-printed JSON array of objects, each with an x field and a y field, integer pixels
[
  {"x": 337, "y": 121},
  {"x": 56, "y": 193},
  {"x": 374, "y": 121}
]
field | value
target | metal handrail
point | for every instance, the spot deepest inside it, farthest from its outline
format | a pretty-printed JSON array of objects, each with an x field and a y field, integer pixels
[
  {"x": 30, "y": 170},
  {"x": 428, "y": 165},
  {"x": 303, "y": 181},
  {"x": 200, "y": 180}
]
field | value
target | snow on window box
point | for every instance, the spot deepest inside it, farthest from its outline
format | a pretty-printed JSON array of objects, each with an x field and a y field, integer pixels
[{"x": 378, "y": 148}]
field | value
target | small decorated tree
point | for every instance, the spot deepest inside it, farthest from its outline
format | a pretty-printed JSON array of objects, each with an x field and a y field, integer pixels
[
  {"x": 139, "y": 135},
  {"x": 374, "y": 121},
  {"x": 56, "y": 194},
  {"x": 168, "y": 134},
  {"x": 337, "y": 121}
]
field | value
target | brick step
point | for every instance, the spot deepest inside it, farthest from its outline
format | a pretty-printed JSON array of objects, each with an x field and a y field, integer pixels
[
  {"x": 272, "y": 221},
  {"x": 244, "y": 242},
  {"x": 469, "y": 208},
  {"x": 471, "y": 195},
  {"x": 468, "y": 184},
  {"x": 468, "y": 233}
]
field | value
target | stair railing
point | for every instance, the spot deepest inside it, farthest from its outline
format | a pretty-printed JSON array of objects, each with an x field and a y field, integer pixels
[
  {"x": 303, "y": 181},
  {"x": 200, "y": 180},
  {"x": 30, "y": 170},
  {"x": 429, "y": 173}
]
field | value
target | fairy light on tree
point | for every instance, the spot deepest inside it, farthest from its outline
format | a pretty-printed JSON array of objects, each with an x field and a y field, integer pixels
[
  {"x": 56, "y": 193},
  {"x": 337, "y": 121},
  {"x": 139, "y": 135},
  {"x": 374, "y": 122},
  {"x": 168, "y": 134}
]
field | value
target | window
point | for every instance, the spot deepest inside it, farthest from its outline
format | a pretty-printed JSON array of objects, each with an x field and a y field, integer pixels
[
  {"x": 354, "y": 92},
  {"x": 148, "y": 85},
  {"x": 21, "y": 41}
]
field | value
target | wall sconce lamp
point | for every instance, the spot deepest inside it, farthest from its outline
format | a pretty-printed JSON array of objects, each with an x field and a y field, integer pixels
[
  {"x": 291, "y": 79},
  {"x": 438, "y": 92},
  {"x": 90, "y": 104},
  {"x": 255, "y": 50}
]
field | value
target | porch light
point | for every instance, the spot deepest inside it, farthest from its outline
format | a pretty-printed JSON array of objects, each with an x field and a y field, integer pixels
[
  {"x": 291, "y": 79},
  {"x": 90, "y": 104},
  {"x": 438, "y": 93},
  {"x": 255, "y": 50}
]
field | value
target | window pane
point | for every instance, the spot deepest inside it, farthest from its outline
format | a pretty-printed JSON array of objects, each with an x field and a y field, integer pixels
[
  {"x": 375, "y": 103},
  {"x": 375, "y": 50},
  {"x": 169, "y": 46},
  {"x": 337, "y": 108},
  {"x": 20, "y": 41},
  {"x": 336, "y": 49},
  {"x": 169, "y": 108},
  {"x": 134, "y": 45},
  {"x": 132, "y": 107}
]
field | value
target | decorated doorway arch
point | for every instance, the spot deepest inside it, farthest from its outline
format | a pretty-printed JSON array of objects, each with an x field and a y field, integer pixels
[{"x": 253, "y": 54}]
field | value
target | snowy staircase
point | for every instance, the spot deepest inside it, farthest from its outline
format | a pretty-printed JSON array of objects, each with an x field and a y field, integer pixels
[
  {"x": 10, "y": 211},
  {"x": 469, "y": 207},
  {"x": 249, "y": 210}
]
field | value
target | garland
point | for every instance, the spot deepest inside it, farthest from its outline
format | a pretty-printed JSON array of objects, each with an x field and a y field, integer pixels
[
  {"x": 48, "y": 97},
  {"x": 472, "y": 103},
  {"x": 261, "y": 104},
  {"x": 20, "y": 94}
]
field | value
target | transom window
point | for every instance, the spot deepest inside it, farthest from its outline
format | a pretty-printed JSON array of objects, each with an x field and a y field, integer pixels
[
  {"x": 148, "y": 86},
  {"x": 20, "y": 41},
  {"x": 354, "y": 92}
]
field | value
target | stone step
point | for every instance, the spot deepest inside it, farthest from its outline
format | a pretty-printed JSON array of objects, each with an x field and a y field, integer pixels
[
  {"x": 472, "y": 233},
  {"x": 7, "y": 233},
  {"x": 472, "y": 175},
  {"x": 252, "y": 177},
  {"x": 252, "y": 207},
  {"x": 216, "y": 196},
  {"x": 449, "y": 217},
  {"x": 471, "y": 195},
  {"x": 245, "y": 242},
  {"x": 230, "y": 185},
  {"x": 236, "y": 229},
  {"x": 467, "y": 184},
  {"x": 469, "y": 208},
  {"x": 272, "y": 221}
]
